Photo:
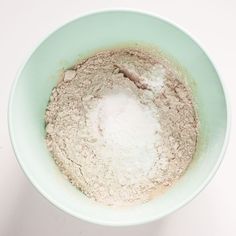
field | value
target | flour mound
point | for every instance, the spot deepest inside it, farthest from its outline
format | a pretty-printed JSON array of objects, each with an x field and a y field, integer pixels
[{"x": 121, "y": 126}]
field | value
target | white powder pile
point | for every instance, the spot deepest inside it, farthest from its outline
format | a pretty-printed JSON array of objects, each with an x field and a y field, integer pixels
[
  {"x": 122, "y": 126},
  {"x": 129, "y": 132}
]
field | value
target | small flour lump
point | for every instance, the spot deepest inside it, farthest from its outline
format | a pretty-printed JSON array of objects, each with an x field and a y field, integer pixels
[{"x": 122, "y": 126}]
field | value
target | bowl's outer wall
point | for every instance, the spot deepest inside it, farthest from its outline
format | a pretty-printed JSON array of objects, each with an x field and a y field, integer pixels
[{"x": 77, "y": 39}]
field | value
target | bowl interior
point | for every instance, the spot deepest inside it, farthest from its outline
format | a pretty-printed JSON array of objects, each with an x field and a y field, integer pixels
[{"x": 61, "y": 49}]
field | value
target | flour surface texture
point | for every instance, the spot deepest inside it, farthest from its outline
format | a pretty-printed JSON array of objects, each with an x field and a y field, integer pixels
[{"x": 122, "y": 126}]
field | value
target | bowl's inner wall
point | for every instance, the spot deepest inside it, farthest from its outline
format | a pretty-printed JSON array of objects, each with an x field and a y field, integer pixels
[{"x": 62, "y": 49}]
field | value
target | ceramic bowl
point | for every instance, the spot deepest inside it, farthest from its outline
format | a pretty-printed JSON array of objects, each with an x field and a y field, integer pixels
[{"x": 78, "y": 38}]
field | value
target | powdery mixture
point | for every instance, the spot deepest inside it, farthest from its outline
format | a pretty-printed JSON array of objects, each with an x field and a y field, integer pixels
[{"x": 121, "y": 126}]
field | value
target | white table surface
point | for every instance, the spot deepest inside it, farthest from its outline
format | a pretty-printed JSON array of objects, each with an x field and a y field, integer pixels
[{"x": 23, "y": 211}]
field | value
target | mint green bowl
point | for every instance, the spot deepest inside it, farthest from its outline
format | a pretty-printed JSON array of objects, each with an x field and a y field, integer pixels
[{"x": 78, "y": 38}]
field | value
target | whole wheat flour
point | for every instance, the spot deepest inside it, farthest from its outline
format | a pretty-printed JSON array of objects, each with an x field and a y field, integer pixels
[{"x": 121, "y": 125}]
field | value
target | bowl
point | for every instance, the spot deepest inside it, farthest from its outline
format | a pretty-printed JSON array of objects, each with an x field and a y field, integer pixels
[{"x": 78, "y": 38}]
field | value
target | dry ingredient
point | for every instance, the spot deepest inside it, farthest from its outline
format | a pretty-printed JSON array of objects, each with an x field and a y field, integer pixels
[{"x": 121, "y": 125}]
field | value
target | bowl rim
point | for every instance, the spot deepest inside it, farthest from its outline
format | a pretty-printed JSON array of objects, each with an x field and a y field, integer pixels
[{"x": 96, "y": 220}]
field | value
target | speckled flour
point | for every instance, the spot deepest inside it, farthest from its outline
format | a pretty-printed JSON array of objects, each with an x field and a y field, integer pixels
[{"x": 121, "y": 126}]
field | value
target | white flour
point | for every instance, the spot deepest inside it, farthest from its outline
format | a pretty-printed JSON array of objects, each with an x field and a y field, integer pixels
[
  {"x": 129, "y": 131},
  {"x": 121, "y": 126}
]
